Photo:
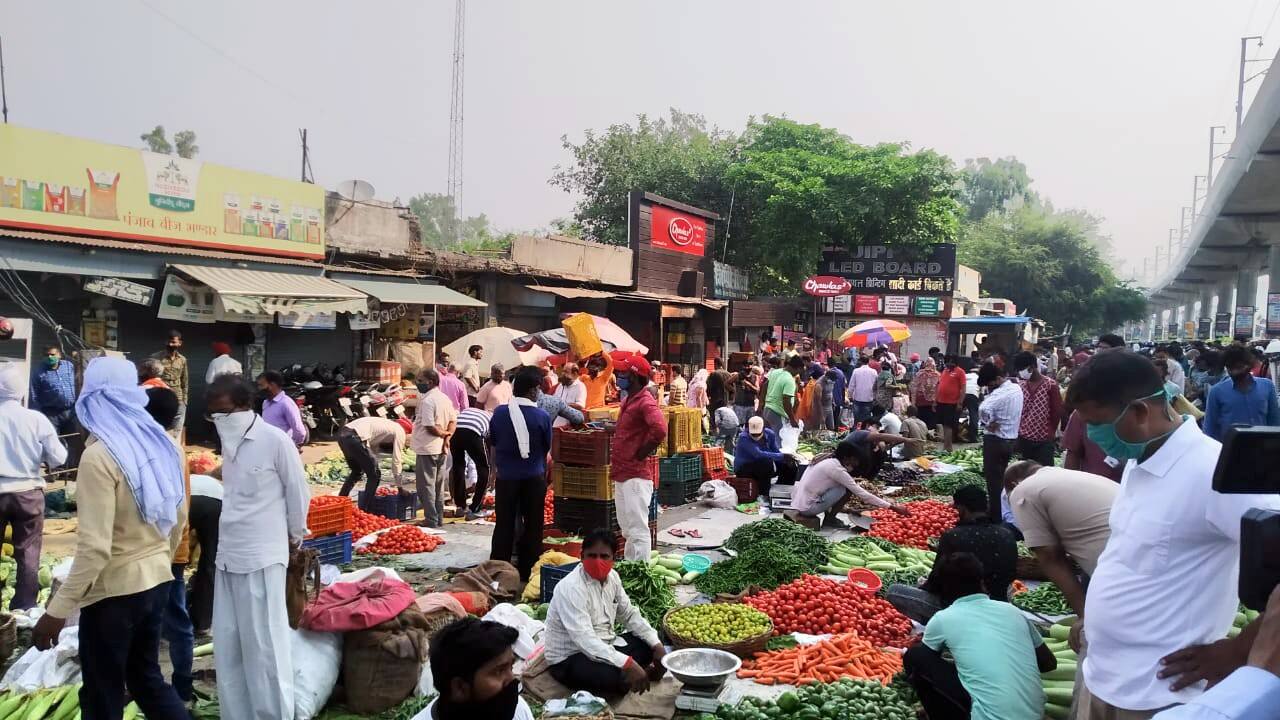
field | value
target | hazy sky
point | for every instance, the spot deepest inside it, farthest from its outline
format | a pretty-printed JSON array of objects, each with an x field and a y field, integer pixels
[{"x": 1108, "y": 103}]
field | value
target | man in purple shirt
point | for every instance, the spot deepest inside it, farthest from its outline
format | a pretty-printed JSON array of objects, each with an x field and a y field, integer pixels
[
  {"x": 452, "y": 386},
  {"x": 280, "y": 410}
]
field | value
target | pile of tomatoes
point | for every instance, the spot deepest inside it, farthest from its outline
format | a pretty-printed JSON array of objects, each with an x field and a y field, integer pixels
[
  {"x": 815, "y": 605},
  {"x": 549, "y": 509},
  {"x": 385, "y": 490},
  {"x": 928, "y": 519},
  {"x": 403, "y": 540},
  {"x": 363, "y": 523}
]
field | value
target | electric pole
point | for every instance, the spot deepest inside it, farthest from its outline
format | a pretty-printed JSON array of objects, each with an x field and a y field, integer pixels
[
  {"x": 455, "y": 118},
  {"x": 1244, "y": 42},
  {"x": 4, "y": 96},
  {"x": 1213, "y": 154},
  {"x": 1195, "y": 194},
  {"x": 1186, "y": 226},
  {"x": 306, "y": 157}
]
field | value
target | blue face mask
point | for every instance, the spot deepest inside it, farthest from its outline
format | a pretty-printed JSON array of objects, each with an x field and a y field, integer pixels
[
  {"x": 1104, "y": 435},
  {"x": 623, "y": 382}
]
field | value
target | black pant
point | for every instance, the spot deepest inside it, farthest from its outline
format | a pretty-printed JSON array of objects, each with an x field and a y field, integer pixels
[
  {"x": 763, "y": 471},
  {"x": 937, "y": 683},
  {"x": 205, "y": 514},
  {"x": 468, "y": 443},
  {"x": 523, "y": 498},
  {"x": 68, "y": 429},
  {"x": 996, "y": 453},
  {"x": 1040, "y": 451},
  {"x": 120, "y": 648},
  {"x": 580, "y": 672},
  {"x": 971, "y": 406},
  {"x": 361, "y": 460}
]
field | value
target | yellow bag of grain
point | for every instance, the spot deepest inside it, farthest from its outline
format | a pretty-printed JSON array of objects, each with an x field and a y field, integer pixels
[
  {"x": 533, "y": 590},
  {"x": 580, "y": 330}
]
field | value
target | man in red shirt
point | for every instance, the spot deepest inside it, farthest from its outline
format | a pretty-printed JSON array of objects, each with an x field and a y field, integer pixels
[
  {"x": 950, "y": 400},
  {"x": 1041, "y": 411},
  {"x": 641, "y": 428}
]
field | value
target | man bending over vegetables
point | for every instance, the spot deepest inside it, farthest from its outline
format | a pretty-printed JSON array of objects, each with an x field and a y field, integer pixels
[
  {"x": 998, "y": 656},
  {"x": 582, "y": 648}
]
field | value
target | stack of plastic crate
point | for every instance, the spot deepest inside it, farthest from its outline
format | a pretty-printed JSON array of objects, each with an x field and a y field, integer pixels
[{"x": 329, "y": 519}]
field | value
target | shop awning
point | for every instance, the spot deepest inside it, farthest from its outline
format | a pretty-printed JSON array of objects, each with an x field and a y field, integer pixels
[
  {"x": 633, "y": 295},
  {"x": 407, "y": 291},
  {"x": 260, "y": 291}
]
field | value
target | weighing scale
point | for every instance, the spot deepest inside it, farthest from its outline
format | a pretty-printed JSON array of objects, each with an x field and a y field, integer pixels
[{"x": 699, "y": 699}]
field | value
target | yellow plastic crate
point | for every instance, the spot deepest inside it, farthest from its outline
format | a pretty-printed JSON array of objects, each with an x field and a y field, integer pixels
[{"x": 582, "y": 482}]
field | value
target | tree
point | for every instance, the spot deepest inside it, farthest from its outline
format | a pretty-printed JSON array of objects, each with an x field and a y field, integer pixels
[
  {"x": 184, "y": 139},
  {"x": 157, "y": 142},
  {"x": 436, "y": 222},
  {"x": 987, "y": 185},
  {"x": 679, "y": 157},
  {"x": 1048, "y": 265},
  {"x": 800, "y": 188}
]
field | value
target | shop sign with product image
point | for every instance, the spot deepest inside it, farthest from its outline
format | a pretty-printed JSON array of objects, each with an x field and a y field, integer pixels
[{"x": 1244, "y": 321}]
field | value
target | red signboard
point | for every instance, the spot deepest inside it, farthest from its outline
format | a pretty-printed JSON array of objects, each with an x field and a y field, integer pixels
[
  {"x": 677, "y": 231},
  {"x": 826, "y": 286},
  {"x": 866, "y": 304}
]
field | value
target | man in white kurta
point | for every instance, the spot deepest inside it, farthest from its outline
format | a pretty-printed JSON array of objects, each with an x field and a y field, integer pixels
[{"x": 264, "y": 511}]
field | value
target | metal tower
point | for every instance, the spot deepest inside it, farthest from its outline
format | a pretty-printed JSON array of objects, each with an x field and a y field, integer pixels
[{"x": 455, "y": 118}]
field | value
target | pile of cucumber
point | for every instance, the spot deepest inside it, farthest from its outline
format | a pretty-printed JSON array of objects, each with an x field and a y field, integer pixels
[
  {"x": 1060, "y": 682},
  {"x": 858, "y": 552},
  {"x": 671, "y": 567},
  {"x": 1242, "y": 619}
]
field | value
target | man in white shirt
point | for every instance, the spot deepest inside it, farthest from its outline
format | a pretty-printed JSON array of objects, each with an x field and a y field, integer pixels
[
  {"x": 571, "y": 390},
  {"x": 27, "y": 439},
  {"x": 1000, "y": 415},
  {"x": 264, "y": 513},
  {"x": 583, "y": 650},
  {"x": 222, "y": 363},
  {"x": 470, "y": 371},
  {"x": 361, "y": 441},
  {"x": 433, "y": 424},
  {"x": 1147, "y": 646},
  {"x": 471, "y": 666},
  {"x": 862, "y": 388}
]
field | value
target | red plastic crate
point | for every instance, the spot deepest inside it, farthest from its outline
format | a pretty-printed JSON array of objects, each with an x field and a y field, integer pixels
[
  {"x": 745, "y": 487},
  {"x": 712, "y": 461},
  {"x": 329, "y": 518},
  {"x": 580, "y": 447}
]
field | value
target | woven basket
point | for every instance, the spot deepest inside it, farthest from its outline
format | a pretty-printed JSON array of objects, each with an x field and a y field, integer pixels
[
  {"x": 742, "y": 648},
  {"x": 1028, "y": 569}
]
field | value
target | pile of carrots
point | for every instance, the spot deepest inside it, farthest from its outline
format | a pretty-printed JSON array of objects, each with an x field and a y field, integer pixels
[{"x": 842, "y": 656}]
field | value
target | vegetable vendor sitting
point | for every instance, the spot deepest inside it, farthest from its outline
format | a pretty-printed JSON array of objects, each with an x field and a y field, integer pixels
[
  {"x": 582, "y": 648},
  {"x": 758, "y": 454},
  {"x": 828, "y": 484}
]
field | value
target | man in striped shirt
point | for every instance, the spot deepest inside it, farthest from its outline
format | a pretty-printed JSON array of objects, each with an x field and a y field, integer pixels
[{"x": 470, "y": 440}]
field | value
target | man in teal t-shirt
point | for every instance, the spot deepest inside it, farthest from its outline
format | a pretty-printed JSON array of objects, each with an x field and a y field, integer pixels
[
  {"x": 998, "y": 655},
  {"x": 780, "y": 397}
]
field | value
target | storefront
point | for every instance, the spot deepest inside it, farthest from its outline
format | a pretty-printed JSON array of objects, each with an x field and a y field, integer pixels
[{"x": 920, "y": 290}]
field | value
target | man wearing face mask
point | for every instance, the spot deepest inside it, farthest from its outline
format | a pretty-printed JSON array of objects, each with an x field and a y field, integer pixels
[
  {"x": 1000, "y": 415},
  {"x": 1041, "y": 410},
  {"x": 583, "y": 648},
  {"x": 640, "y": 430},
  {"x": 264, "y": 513},
  {"x": 434, "y": 423},
  {"x": 175, "y": 373},
  {"x": 1240, "y": 399},
  {"x": 1148, "y": 647},
  {"x": 471, "y": 662},
  {"x": 53, "y": 393}
]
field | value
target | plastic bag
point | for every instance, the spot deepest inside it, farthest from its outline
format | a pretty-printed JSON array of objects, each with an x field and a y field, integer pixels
[
  {"x": 317, "y": 661},
  {"x": 581, "y": 703},
  {"x": 718, "y": 494},
  {"x": 789, "y": 436},
  {"x": 55, "y": 667},
  {"x": 358, "y": 575},
  {"x": 580, "y": 330},
  {"x": 529, "y": 629}
]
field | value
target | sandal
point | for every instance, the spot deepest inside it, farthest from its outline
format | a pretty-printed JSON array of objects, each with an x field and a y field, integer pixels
[
  {"x": 693, "y": 533},
  {"x": 676, "y": 532}
]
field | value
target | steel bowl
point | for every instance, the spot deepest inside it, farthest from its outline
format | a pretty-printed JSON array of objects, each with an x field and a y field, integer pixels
[{"x": 701, "y": 667}]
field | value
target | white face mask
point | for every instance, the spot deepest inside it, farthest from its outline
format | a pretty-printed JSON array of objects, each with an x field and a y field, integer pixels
[
  {"x": 232, "y": 428},
  {"x": 1025, "y": 374}
]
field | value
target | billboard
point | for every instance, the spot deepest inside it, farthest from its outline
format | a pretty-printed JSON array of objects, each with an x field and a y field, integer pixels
[
  {"x": 898, "y": 271},
  {"x": 682, "y": 232},
  {"x": 57, "y": 183}
]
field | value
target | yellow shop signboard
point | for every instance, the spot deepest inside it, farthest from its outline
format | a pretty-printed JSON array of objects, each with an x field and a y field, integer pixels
[{"x": 57, "y": 183}]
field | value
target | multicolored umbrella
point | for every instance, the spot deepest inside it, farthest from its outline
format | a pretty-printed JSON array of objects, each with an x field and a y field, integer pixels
[{"x": 874, "y": 333}]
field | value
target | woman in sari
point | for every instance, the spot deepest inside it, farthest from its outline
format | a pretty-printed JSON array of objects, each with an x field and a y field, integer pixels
[{"x": 924, "y": 391}]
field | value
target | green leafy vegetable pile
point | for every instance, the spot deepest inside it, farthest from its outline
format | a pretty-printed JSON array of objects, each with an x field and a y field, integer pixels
[
  {"x": 647, "y": 588},
  {"x": 802, "y": 542},
  {"x": 948, "y": 484},
  {"x": 766, "y": 563},
  {"x": 1046, "y": 599}
]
